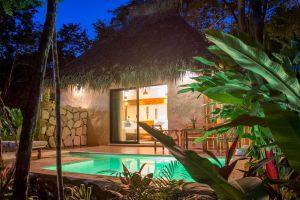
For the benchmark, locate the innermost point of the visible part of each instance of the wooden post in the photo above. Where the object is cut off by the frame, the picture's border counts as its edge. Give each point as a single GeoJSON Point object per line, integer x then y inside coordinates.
{"type": "Point", "coordinates": [206, 120]}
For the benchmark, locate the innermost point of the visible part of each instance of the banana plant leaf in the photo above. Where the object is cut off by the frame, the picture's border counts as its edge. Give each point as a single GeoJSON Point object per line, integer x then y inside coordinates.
{"type": "Point", "coordinates": [258, 62]}
{"type": "Point", "coordinates": [285, 128]}
{"type": "Point", "coordinates": [225, 94]}
{"type": "Point", "coordinates": [225, 59]}
{"type": "Point", "coordinates": [206, 62]}
{"type": "Point", "coordinates": [210, 132]}
{"type": "Point", "coordinates": [244, 120]}
{"type": "Point", "coordinates": [201, 169]}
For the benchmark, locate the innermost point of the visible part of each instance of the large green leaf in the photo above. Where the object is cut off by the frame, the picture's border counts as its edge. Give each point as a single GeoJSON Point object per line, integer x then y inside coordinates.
{"type": "Point", "coordinates": [206, 62]}
{"type": "Point", "coordinates": [201, 169]}
{"type": "Point", "coordinates": [225, 94]}
{"type": "Point", "coordinates": [219, 130]}
{"type": "Point", "coordinates": [285, 128]}
{"type": "Point", "coordinates": [225, 59]}
{"type": "Point", "coordinates": [244, 120]}
{"type": "Point", "coordinates": [258, 62]}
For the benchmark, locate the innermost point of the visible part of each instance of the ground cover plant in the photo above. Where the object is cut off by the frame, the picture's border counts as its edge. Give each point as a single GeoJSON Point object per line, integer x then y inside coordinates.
{"type": "Point", "coordinates": [134, 185]}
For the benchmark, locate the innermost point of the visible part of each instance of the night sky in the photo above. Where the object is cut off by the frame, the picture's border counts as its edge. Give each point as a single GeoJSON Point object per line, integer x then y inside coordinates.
{"type": "Point", "coordinates": [84, 12]}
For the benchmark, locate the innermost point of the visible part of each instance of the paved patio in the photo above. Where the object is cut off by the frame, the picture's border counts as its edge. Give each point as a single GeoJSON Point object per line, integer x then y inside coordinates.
{"type": "Point", "coordinates": [48, 158]}
{"type": "Point", "coordinates": [119, 149]}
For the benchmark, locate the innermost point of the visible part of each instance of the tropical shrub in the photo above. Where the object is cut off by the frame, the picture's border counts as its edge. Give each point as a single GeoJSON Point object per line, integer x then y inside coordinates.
{"type": "Point", "coordinates": [6, 180]}
{"type": "Point", "coordinates": [226, 170]}
{"type": "Point", "coordinates": [259, 89]}
{"type": "Point", "coordinates": [11, 121]}
{"type": "Point", "coordinates": [164, 187]}
{"type": "Point", "coordinates": [203, 171]}
{"type": "Point", "coordinates": [280, 180]}
{"type": "Point", "coordinates": [82, 192]}
{"type": "Point", "coordinates": [269, 94]}
{"type": "Point", "coordinates": [136, 186]}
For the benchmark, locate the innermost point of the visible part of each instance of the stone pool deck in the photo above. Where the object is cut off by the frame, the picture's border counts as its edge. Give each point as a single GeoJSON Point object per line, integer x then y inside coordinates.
{"type": "Point", "coordinates": [48, 159]}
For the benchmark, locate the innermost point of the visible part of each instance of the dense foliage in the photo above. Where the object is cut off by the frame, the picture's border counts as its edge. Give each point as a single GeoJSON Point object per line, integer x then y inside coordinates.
{"type": "Point", "coordinates": [11, 121]}
{"type": "Point", "coordinates": [72, 41]}
{"type": "Point", "coordinates": [257, 86]}
{"type": "Point", "coordinates": [166, 186]}
{"type": "Point", "coordinates": [260, 91]}
{"type": "Point", "coordinates": [20, 37]}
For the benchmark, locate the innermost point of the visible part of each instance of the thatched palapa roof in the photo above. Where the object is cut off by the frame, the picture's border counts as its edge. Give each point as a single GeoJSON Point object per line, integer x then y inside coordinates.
{"type": "Point", "coordinates": [150, 48]}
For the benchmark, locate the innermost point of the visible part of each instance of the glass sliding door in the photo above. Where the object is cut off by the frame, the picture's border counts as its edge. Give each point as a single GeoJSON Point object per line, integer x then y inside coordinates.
{"type": "Point", "coordinates": [123, 116]}
{"type": "Point", "coordinates": [130, 106]}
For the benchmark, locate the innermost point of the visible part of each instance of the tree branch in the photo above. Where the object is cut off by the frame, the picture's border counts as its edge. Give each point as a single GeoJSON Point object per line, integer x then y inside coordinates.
{"type": "Point", "coordinates": [56, 88]}
{"type": "Point", "coordinates": [241, 15]}
{"type": "Point", "coordinates": [265, 8]}
{"type": "Point", "coordinates": [217, 21]}
{"type": "Point", "coordinates": [231, 10]}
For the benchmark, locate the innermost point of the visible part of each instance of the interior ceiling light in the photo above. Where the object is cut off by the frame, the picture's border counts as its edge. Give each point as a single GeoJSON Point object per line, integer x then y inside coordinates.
{"type": "Point", "coordinates": [145, 92]}
{"type": "Point", "coordinates": [125, 94]}
{"type": "Point", "coordinates": [78, 87]}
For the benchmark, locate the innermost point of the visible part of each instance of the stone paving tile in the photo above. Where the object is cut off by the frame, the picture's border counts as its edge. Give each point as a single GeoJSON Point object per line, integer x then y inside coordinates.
{"type": "Point", "coordinates": [48, 158]}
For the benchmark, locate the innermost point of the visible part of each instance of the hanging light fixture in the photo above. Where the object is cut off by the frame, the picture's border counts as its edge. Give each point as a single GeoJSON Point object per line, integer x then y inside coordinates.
{"type": "Point", "coordinates": [78, 90]}
{"type": "Point", "coordinates": [145, 92]}
{"type": "Point", "coordinates": [125, 94]}
{"type": "Point", "coordinates": [78, 87]}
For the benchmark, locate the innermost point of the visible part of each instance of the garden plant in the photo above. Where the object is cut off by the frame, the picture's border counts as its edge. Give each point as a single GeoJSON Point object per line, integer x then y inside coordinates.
{"type": "Point", "coordinates": [258, 89]}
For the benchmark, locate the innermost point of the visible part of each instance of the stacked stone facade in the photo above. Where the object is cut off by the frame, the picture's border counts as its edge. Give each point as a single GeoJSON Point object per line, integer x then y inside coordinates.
{"type": "Point", "coordinates": [74, 125]}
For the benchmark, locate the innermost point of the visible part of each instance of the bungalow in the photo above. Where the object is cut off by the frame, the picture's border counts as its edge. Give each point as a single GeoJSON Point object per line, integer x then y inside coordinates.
{"type": "Point", "coordinates": [134, 76]}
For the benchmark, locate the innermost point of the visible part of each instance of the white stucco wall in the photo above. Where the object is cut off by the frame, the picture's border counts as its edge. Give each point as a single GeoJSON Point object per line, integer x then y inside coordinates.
{"type": "Point", "coordinates": [181, 108]}
{"type": "Point", "coordinates": [97, 104]}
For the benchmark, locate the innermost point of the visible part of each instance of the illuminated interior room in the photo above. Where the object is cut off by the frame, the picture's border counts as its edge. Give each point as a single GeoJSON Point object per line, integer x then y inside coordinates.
{"type": "Point", "coordinates": [130, 106]}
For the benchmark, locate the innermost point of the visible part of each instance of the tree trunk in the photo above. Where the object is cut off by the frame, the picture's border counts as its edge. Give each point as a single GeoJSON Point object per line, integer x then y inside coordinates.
{"type": "Point", "coordinates": [60, 186]}
{"type": "Point", "coordinates": [241, 15]}
{"type": "Point", "coordinates": [257, 20]}
{"type": "Point", "coordinates": [32, 106]}
{"type": "Point", "coordinates": [1, 158]}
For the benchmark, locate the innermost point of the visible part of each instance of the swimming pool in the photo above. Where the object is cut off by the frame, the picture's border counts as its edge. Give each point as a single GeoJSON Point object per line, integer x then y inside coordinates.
{"type": "Point", "coordinates": [101, 164]}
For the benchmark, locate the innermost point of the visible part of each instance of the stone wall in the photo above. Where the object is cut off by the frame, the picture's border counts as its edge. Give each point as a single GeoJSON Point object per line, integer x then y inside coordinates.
{"type": "Point", "coordinates": [74, 125]}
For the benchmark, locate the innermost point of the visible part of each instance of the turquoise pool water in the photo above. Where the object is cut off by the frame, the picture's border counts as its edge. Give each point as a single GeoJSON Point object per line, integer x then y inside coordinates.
{"type": "Point", "coordinates": [102, 164]}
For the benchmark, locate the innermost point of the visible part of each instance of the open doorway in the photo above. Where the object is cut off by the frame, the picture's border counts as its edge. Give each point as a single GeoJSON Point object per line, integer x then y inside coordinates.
{"type": "Point", "coordinates": [130, 106]}
{"type": "Point", "coordinates": [153, 109]}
